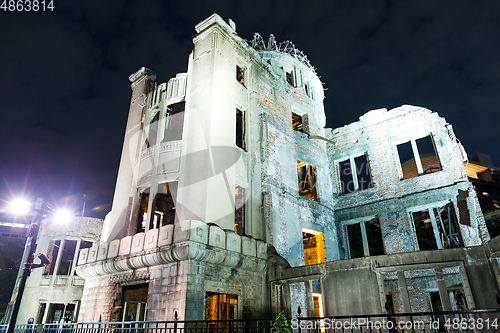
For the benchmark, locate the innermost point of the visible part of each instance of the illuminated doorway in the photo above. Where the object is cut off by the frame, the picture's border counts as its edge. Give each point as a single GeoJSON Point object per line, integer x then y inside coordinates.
{"type": "Point", "coordinates": [314, 247]}
{"type": "Point", "coordinates": [220, 307]}
{"type": "Point", "coordinates": [134, 302]}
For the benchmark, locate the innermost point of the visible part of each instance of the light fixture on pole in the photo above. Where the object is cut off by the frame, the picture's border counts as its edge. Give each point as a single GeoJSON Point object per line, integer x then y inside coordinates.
{"type": "Point", "coordinates": [22, 207]}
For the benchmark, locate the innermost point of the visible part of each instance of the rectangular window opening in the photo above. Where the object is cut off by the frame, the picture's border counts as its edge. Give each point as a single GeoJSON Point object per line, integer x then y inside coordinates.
{"type": "Point", "coordinates": [407, 160]}
{"type": "Point", "coordinates": [424, 230]}
{"type": "Point", "coordinates": [428, 156]}
{"type": "Point", "coordinates": [447, 225]}
{"type": "Point", "coordinates": [307, 180]}
{"type": "Point", "coordinates": [52, 253]}
{"type": "Point", "coordinates": [437, 228]}
{"type": "Point", "coordinates": [220, 307]}
{"type": "Point", "coordinates": [240, 75]}
{"type": "Point", "coordinates": [297, 124]}
{"type": "Point", "coordinates": [355, 174]}
{"type": "Point", "coordinates": [418, 157]}
{"type": "Point", "coordinates": [153, 130]}
{"type": "Point", "coordinates": [174, 122]}
{"type": "Point", "coordinates": [164, 204]}
{"type": "Point", "coordinates": [314, 247]}
{"type": "Point", "coordinates": [134, 302]}
{"type": "Point", "coordinates": [239, 210]}
{"type": "Point", "coordinates": [355, 240]}
{"type": "Point", "coordinates": [67, 257]}
{"type": "Point", "coordinates": [142, 211]}
{"type": "Point", "coordinates": [365, 238]}
{"type": "Point", "coordinates": [240, 129]}
{"type": "Point", "coordinates": [374, 237]}
{"type": "Point", "coordinates": [289, 78]}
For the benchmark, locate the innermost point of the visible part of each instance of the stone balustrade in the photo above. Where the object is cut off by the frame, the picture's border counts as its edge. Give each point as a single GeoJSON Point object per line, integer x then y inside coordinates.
{"type": "Point", "coordinates": [187, 240]}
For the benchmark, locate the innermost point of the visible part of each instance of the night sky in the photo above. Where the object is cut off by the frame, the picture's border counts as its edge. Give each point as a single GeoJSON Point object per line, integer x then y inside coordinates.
{"type": "Point", "coordinates": [64, 89]}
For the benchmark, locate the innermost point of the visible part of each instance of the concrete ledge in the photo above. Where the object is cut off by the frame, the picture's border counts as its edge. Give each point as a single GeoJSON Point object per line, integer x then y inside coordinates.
{"type": "Point", "coordinates": [125, 244]}
{"type": "Point", "coordinates": [217, 237]}
{"type": "Point", "coordinates": [166, 235]}
{"type": "Point", "coordinates": [93, 251]}
{"type": "Point", "coordinates": [249, 246]}
{"type": "Point", "coordinates": [103, 251]}
{"type": "Point", "coordinates": [137, 243]}
{"type": "Point", "coordinates": [82, 256]}
{"type": "Point", "coordinates": [113, 249]}
{"type": "Point", "coordinates": [233, 242]}
{"type": "Point", "coordinates": [151, 239]}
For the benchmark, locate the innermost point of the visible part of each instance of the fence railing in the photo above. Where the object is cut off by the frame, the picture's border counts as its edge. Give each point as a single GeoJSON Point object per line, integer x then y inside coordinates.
{"type": "Point", "coordinates": [445, 321]}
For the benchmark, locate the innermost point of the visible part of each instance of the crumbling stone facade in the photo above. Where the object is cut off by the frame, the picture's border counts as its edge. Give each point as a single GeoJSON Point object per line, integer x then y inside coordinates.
{"type": "Point", "coordinates": [231, 193]}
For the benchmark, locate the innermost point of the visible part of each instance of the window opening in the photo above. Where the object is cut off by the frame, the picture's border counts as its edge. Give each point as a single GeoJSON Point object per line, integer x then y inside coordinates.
{"type": "Point", "coordinates": [85, 244]}
{"type": "Point", "coordinates": [240, 75]}
{"type": "Point", "coordinates": [164, 205]}
{"type": "Point", "coordinates": [318, 305]}
{"type": "Point", "coordinates": [134, 302]}
{"type": "Point", "coordinates": [142, 211]}
{"type": "Point", "coordinates": [307, 180]}
{"type": "Point", "coordinates": [418, 157]}
{"type": "Point", "coordinates": [365, 238]}
{"type": "Point", "coordinates": [355, 174]}
{"type": "Point", "coordinates": [355, 240]}
{"type": "Point", "coordinates": [297, 123]}
{"type": "Point", "coordinates": [55, 313]}
{"type": "Point", "coordinates": [221, 307]}
{"type": "Point", "coordinates": [52, 253]}
{"type": "Point", "coordinates": [40, 313]}
{"type": "Point", "coordinates": [437, 228]}
{"type": "Point", "coordinates": [289, 78]}
{"type": "Point", "coordinates": [306, 88]}
{"type": "Point", "coordinates": [68, 254]}
{"type": "Point", "coordinates": [314, 247]}
{"type": "Point", "coordinates": [434, 302]}
{"type": "Point", "coordinates": [174, 122]}
{"type": "Point", "coordinates": [239, 210]}
{"type": "Point", "coordinates": [424, 230]}
{"type": "Point", "coordinates": [240, 129]}
{"type": "Point", "coordinates": [153, 130]}
{"type": "Point", "coordinates": [449, 231]}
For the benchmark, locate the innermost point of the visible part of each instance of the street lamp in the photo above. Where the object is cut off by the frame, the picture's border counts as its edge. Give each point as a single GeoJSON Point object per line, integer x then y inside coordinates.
{"type": "Point", "coordinates": [22, 207]}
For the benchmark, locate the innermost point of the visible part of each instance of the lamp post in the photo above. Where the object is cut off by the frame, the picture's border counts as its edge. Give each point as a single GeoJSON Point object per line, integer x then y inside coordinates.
{"type": "Point", "coordinates": [28, 265]}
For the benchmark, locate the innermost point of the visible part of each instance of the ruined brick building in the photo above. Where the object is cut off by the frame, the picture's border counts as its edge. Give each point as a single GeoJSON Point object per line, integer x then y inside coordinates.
{"type": "Point", "coordinates": [233, 200]}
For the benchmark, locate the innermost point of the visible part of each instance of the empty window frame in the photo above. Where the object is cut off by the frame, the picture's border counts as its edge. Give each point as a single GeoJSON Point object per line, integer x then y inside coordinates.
{"type": "Point", "coordinates": [436, 228]}
{"type": "Point", "coordinates": [174, 122]}
{"type": "Point", "coordinates": [289, 78]}
{"type": "Point", "coordinates": [297, 124]}
{"type": "Point", "coordinates": [355, 174]}
{"type": "Point", "coordinates": [240, 75]}
{"type": "Point", "coordinates": [68, 254]}
{"type": "Point", "coordinates": [314, 247]}
{"type": "Point", "coordinates": [307, 180]}
{"type": "Point", "coordinates": [142, 211]}
{"type": "Point", "coordinates": [153, 130]}
{"type": "Point", "coordinates": [52, 253]}
{"type": "Point", "coordinates": [240, 129]}
{"type": "Point", "coordinates": [164, 205]}
{"type": "Point", "coordinates": [418, 157]}
{"type": "Point", "coordinates": [239, 210]}
{"type": "Point", "coordinates": [364, 238]}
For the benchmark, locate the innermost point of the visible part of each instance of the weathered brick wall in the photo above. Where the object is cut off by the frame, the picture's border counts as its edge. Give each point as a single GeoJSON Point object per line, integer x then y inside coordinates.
{"type": "Point", "coordinates": [377, 134]}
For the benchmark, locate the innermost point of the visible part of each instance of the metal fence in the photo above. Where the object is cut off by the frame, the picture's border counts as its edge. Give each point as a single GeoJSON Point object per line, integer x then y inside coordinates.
{"type": "Point", "coordinates": [448, 321]}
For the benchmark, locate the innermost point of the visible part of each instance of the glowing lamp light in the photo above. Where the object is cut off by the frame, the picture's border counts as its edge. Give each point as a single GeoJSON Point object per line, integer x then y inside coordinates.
{"type": "Point", "coordinates": [62, 216]}
{"type": "Point", "coordinates": [19, 207]}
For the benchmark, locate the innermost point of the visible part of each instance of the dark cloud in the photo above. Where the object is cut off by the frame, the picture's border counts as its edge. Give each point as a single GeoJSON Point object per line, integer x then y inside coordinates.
{"type": "Point", "coordinates": [64, 87]}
